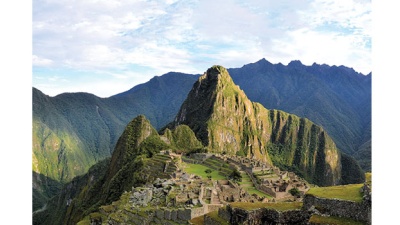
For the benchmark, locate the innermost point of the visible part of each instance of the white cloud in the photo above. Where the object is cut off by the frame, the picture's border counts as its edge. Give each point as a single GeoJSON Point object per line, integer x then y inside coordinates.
{"type": "Point", "coordinates": [328, 48]}
{"type": "Point", "coordinates": [38, 61]}
{"type": "Point", "coordinates": [155, 37]}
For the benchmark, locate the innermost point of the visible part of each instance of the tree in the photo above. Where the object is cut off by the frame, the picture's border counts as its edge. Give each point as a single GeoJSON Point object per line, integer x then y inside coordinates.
{"type": "Point", "coordinates": [294, 192]}
{"type": "Point", "coordinates": [208, 171]}
{"type": "Point", "coordinates": [235, 176]}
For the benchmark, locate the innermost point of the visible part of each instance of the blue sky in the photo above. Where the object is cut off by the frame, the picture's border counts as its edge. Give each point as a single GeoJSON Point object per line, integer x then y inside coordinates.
{"type": "Point", "coordinates": [105, 47]}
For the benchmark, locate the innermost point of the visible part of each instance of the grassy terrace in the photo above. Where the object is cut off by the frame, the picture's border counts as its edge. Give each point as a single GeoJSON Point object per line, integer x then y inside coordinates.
{"type": "Point", "coordinates": [279, 206]}
{"type": "Point", "coordinates": [249, 186]}
{"type": "Point", "coordinates": [199, 170]}
{"type": "Point", "coordinates": [349, 192]}
{"type": "Point", "coordinates": [253, 190]}
{"type": "Point", "coordinates": [316, 219]}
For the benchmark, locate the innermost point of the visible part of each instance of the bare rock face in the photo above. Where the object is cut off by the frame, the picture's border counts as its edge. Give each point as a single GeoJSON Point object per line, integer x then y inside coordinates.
{"type": "Point", "coordinates": [226, 121]}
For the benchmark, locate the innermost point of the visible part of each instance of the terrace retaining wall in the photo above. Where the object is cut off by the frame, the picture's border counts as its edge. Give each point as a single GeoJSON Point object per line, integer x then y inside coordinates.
{"type": "Point", "coordinates": [335, 207]}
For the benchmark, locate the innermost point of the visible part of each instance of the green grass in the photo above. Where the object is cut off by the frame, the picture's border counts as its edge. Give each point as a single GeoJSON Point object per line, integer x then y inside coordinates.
{"type": "Point", "coordinates": [333, 220]}
{"type": "Point", "coordinates": [349, 192]}
{"type": "Point", "coordinates": [248, 185]}
{"type": "Point", "coordinates": [85, 221]}
{"type": "Point", "coordinates": [279, 206]}
{"type": "Point", "coordinates": [198, 169]}
{"type": "Point", "coordinates": [368, 178]}
{"type": "Point", "coordinates": [253, 190]}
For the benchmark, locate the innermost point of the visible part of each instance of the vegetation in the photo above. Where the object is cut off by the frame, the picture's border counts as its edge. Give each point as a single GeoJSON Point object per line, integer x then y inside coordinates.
{"type": "Point", "coordinates": [208, 172]}
{"type": "Point", "coordinates": [235, 176]}
{"type": "Point", "coordinates": [199, 170]}
{"type": "Point", "coordinates": [294, 192]}
{"type": "Point", "coordinates": [252, 190]}
{"type": "Point", "coordinates": [184, 138]}
{"type": "Point", "coordinates": [349, 192]}
{"type": "Point", "coordinates": [351, 171]}
{"type": "Point", "coordinates": [48, 188]}
{"type": "Point", "coordinates": [332, 220]}
{"type": "Point", "coordinates": [368, 179]}
{"type": "Point", "coordinates": [280, 206]}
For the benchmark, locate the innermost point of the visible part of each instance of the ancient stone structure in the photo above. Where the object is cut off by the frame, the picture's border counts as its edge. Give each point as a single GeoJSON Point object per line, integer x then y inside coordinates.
{"type": "Point", "coordinates": [272, 181]}
{"type": "Point", "coordinates": [263, 216]}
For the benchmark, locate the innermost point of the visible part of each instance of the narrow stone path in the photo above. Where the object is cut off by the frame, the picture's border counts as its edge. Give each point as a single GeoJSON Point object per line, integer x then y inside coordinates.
{"type": "Point", "coordinates": [214, 197]}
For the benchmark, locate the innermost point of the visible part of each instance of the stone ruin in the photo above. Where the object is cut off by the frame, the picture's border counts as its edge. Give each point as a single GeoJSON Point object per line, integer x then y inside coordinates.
{"type": "Point", "coordinates": [277, 184]}
{"type": "Point", "coordinates": [192, 196]}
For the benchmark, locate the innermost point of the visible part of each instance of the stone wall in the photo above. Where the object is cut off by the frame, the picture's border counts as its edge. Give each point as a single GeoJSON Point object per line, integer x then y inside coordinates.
{"type": "Point", "coordinates": [224, 213]}
{"type": "Point", "coordinates": [266, 189]}
{"type": "Point", "coordinates": [196, 212]}
{"type": "Point", "coordinates": [179, 215]}
{"type": "Point", "coordinates": [263, 216]}
{"type": "Point", "coordinates": [341, 208]}
{"type": "Point", "coordinates": [212, 207]}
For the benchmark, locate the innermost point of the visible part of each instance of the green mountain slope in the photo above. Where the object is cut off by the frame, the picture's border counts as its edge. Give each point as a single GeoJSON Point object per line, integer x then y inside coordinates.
{"type": "Point", "coordinates": [131, 165]}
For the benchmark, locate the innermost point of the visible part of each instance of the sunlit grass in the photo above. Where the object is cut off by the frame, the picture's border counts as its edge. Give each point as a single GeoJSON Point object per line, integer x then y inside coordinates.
{"type": "Point", "coordinates": [331, 220]}
{"type": "Point", "coordinates": [280, 206]}
{"type": "Point", "coordinates": [199, 170]}
{"type": "Point", "coordinates": [368, 179]}
{"type": "Point", "coordinates": [349, 192]}
{"type": "Point", "coordinates": [253, 190]}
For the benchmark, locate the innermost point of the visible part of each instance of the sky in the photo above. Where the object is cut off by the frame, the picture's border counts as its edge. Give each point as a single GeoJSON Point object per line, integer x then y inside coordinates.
{"type": "Point", "coordinates": [105, 47]}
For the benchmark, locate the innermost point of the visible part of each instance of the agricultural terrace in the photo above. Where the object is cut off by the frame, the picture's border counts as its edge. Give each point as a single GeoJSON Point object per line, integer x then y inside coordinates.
{"type": "Point", "coordinates": [332, 220]}
{"type": "Point", "coordinates": [351, 192]}
{"type": "Point", "coordinates": [279, 206]}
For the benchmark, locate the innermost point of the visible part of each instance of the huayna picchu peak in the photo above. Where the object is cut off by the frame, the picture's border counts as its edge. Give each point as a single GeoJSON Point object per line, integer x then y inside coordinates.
{"type": "Point", "coordinates": [227, 122]}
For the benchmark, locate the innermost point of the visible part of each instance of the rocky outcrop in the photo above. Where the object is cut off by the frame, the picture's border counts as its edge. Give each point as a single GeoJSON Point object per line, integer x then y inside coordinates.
{"type": "Point", "coordinates": [226, 121]}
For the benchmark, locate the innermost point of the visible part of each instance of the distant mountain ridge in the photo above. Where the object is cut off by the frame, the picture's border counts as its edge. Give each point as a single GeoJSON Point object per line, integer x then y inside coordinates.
{"type": "Point", "coordinates": [72, 131]}
{"type": "Point", "coordinates": [337, 98]}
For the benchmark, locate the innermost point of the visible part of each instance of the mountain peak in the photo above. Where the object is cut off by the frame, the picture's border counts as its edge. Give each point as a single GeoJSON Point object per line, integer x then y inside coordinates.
{"type": "Point", "coordinates": [215, 73]}
{"type": "Point", "coordinates": [216, 70]}
{"type": "Point", "coordinates": [294, 63]}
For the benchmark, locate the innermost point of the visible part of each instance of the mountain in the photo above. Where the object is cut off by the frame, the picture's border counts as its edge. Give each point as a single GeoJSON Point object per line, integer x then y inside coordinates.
{"type": "Point", "coordinates": [227, 122]}
{"type": "Point", "coordinates": [132, 164]}
{"type": "Point", "coordinates": [72, 131]}
{"type": "Point", "coordinates": [334, 97]}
